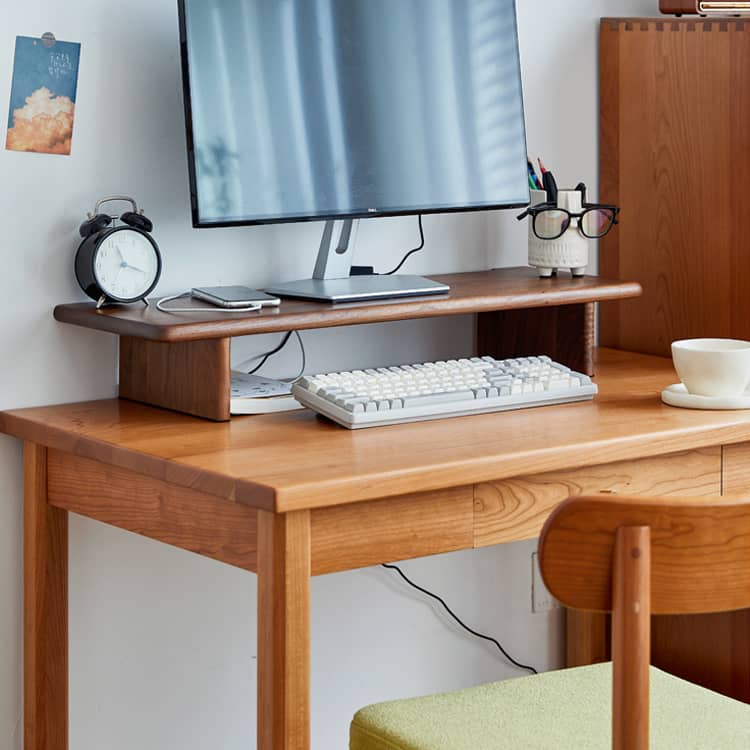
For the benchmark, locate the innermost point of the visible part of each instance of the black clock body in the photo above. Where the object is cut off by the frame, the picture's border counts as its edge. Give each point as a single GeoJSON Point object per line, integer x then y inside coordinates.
{"type": "Point", "coordinates": [85, 265]}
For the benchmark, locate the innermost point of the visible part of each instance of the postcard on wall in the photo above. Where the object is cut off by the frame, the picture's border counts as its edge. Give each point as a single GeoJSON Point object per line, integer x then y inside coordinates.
{"type": "Point", "coordinates": [43, 95]}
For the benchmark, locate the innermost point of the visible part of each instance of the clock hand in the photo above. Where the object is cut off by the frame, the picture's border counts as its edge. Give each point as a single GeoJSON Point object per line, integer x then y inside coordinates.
{"type": "Point", "coordinates": [135, 268]}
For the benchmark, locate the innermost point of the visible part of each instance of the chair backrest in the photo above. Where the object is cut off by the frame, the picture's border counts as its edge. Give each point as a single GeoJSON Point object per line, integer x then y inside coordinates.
{"type": "Point", "coordinates": [700, 551]}
{"type": "Point", "coordinates": [637, 556]}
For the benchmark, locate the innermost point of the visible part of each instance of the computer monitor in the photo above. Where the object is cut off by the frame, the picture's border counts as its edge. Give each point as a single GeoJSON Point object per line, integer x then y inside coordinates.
{"type": "Point", "coordinates": [336, 110]}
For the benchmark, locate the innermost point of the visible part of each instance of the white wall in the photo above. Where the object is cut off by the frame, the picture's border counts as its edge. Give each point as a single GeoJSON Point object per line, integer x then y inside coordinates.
{"type": "Point", "coordinates": [162, 642]}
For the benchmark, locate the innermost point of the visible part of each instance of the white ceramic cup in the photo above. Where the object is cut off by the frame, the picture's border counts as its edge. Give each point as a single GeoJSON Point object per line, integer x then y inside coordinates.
{"type": "Point", "coordinates": [713, 367]}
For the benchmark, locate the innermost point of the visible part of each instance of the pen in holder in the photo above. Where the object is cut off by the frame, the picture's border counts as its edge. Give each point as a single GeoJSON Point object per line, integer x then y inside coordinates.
{"type": "Point", "coordinates": [571, 250]}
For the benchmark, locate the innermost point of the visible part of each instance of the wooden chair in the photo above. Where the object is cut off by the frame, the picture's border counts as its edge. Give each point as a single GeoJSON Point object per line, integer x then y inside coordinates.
{"type": "Point", "coordinates": [630, 556]}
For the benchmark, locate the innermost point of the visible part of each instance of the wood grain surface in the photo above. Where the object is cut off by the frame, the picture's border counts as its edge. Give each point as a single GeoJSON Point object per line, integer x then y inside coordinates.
{"type": "Point", "coordinates": [566, 333]}
{"type": "Point", "coordinates": [284, 631]}
{"type": "Point", "coordinates": [479, 291]}
{"type": "Point", "coordinates": [587, 638]}
{"type": "Point", "coordinates": [675, 103]}
{"type": "Point", "coordinates": [700, 549]}
{"type": "Point", "coordinates": [297, 460]}
{"type": "Point", "coordinates": [736, 470]}
{"type": "Point", "coordinates": [45, 610]}
{"type": "Point", "coordinates": [631, 637]}
{"type": "Point", "coordinates": [190, 376]}
{"type": "Point", "coordinates": [195, 521]}
{"type": "Point", "coordinates": [517, 508]}
{"type": "Point", "coordinates": [712, 650]}
{"type": "Point", "coordinates": [362, 534]}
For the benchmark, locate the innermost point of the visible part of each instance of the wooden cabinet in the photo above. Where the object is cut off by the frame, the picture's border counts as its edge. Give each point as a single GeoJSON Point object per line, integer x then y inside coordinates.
{"type": "Point", "coordinates": [675, 155]}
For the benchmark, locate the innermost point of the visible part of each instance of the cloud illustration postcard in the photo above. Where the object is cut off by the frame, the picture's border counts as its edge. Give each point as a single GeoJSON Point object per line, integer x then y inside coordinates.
{"type": "Point", "coordinates": [43, 96]}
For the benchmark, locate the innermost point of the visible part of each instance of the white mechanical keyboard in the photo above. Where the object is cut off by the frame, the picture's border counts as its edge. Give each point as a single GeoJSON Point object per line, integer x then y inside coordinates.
{"type": "Point", "coordinates": [432, 390]}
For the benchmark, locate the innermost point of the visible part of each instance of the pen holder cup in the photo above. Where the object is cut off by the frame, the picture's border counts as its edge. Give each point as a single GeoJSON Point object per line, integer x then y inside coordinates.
{"type": "Point", "coordinates": [569, 251]}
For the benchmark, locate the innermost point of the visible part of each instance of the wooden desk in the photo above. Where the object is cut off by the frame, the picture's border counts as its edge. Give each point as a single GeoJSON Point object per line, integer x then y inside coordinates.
{"type": "Point", "coordinates": [289, 496]}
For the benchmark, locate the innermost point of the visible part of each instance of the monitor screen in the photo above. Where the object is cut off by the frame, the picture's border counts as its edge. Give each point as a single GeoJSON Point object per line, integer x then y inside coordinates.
{"type": "Point", "coordinates": [316, 109]}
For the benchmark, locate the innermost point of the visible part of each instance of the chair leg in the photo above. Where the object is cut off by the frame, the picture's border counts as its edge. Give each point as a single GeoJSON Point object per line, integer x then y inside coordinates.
{"type": "Point", "coordinates": [631, 638]}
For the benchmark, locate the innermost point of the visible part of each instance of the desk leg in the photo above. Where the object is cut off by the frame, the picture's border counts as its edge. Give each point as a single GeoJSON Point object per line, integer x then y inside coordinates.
{"type": "Point", "coordinates": [45, 610]}
{"type": "Point", "coordinates": [587, 638]}
{"type": "Point", "coordinates": [284, 631]}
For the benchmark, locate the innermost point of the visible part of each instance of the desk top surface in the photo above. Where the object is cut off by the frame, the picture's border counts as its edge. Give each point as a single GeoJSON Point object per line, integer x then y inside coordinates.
{"type": "Point", "coordinates": [296, 460]}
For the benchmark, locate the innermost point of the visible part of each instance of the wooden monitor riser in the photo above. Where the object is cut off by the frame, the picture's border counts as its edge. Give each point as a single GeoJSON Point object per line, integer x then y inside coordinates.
{"type": "Point", "coordinates": [182, 362]}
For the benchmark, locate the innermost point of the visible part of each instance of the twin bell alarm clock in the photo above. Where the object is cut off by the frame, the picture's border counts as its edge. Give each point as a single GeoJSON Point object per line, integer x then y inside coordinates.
{"type": "Point", "coordinates": [117, 263]}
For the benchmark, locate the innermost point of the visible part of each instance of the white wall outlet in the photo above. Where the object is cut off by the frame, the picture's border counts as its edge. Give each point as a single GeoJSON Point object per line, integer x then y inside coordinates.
{"type": "Point", "coordinates": [541, 599]}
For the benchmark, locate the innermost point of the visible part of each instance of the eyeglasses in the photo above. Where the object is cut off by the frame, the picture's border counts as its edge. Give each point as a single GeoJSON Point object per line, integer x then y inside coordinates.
{"type": "Point", "coordinates": [550, 222]}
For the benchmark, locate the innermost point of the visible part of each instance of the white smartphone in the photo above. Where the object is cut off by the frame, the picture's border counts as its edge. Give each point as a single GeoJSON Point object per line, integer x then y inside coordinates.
{"type": "Point", "coordinates": [234, 296]}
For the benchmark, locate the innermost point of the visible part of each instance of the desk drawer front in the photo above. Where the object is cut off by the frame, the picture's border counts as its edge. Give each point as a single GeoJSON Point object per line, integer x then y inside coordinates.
{"type": "Point", "coordinates": [736, 469]}
{"type": "Point", "coordinates": [516, 508]}
{"type": "Point", "coordinates": [401, 528]}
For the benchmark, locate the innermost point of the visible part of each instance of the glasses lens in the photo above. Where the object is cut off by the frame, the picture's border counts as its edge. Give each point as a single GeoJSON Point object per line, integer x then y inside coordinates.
{"type": "Point", "coordinates": [551, 224]}
{"type": "Point", "coordinates": [597, 221]}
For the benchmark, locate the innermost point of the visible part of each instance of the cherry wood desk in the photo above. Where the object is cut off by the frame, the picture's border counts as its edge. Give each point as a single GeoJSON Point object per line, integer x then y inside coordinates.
{"type": "Point", "coordinates": [288, 496]}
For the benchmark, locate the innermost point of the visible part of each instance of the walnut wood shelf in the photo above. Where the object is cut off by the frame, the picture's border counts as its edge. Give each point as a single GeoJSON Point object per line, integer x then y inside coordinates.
{"type": "Point", "coordinates": [183, 362]}
{"type": "Point", "coordinates": [504, 289]}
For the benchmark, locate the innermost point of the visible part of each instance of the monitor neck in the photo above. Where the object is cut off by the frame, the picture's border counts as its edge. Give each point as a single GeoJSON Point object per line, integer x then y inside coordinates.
{"type": "Point", "coordinates": [336, 249]}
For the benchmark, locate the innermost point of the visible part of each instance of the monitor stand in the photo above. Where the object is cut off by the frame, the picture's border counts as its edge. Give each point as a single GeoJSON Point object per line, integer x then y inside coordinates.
{"type": "Point", "coordinates": [331, 281]}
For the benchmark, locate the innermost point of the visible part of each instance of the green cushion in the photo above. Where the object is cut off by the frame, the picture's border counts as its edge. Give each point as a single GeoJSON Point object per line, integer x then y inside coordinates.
{"type": "Point", "coordinates": [567, 709]}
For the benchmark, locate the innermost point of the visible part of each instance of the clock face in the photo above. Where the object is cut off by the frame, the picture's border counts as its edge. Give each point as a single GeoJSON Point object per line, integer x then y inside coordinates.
{"type": "Point", "coordinates": [126, 265]}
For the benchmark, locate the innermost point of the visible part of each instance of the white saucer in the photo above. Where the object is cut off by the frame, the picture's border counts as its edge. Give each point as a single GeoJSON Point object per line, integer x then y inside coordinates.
{"type": "Point", "coordinates": [677, 395]}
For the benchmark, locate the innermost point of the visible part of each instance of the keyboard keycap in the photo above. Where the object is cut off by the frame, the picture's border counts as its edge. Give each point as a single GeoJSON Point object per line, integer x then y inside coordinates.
{"type": "Point", "coordinates": [438, 398]}
{"type": "Point", "coordinates": [351, 404]}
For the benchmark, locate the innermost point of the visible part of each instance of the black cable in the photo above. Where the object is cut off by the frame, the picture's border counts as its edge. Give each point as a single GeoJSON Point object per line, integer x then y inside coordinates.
{"type": "Point", "coordinates": [411, 252]}
{"type": "Point", "coordinates": [455, 617]}
{"type": "Point", "coordinates": [267, 355]}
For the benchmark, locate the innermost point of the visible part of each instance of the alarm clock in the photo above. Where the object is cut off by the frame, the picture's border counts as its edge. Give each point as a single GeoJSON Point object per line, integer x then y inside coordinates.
{"type": "Point", "coordinates": [117, 263]}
